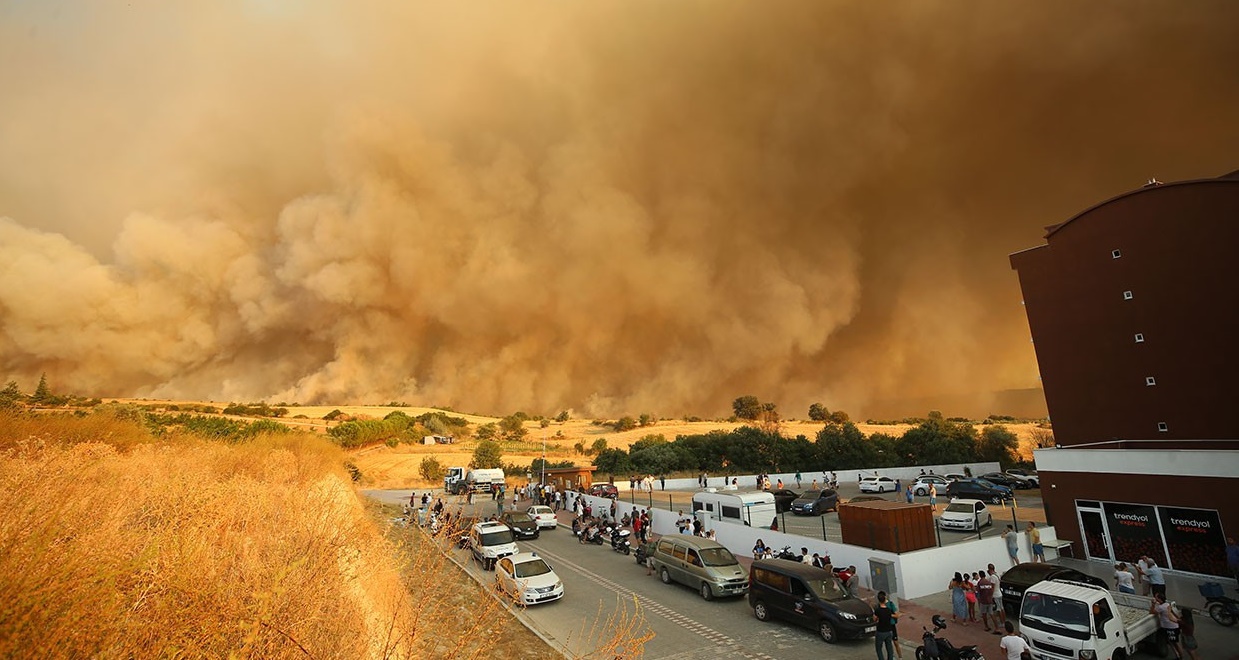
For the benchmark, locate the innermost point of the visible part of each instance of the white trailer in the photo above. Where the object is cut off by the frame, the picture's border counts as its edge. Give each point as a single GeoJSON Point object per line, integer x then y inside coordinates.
{"type": "Point", "coordinates": [755, 509]}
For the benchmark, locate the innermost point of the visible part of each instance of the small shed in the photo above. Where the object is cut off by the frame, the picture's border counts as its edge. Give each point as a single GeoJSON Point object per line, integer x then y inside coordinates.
{"type": "Point", "coordinates": [576, 478]}
{"type": "Point", "coordinates": [890, 526]}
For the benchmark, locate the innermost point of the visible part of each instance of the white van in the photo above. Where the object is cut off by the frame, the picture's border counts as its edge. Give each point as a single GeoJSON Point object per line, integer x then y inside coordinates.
{"type": "Point", "coordinates": [755, 509]}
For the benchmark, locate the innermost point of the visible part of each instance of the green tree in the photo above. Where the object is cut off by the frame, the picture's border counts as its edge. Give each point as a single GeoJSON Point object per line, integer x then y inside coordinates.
{"type": "Point", "coordinates": [513, 427]}
{"type": "Point", "coordinates": [488, 431]}
{"type": "Point", "coordinates": [769, 418]}
{"type": "Point", "coordinates": [624, 424]}
{"type": "Point", "coordinates": [818, 412]}
{"type": "Point", "coordinates": [10, 395]}
{"type": "Point", "coordinates": [562, 417]}
{"type": "Point", "coordinates": [431, 469]}
{"type": "Point", "coordinates": [997, 443]}
{"type": "Point", "coordinates": [746, 407]}
{"type": "Point", "coordinates": [487, 454]}
{"type": "Point", "coordinates": [839, 417]}
{"type": "Point", "coordinates": [613, 461]}
{"type": "Point", "coordinates": [41, 393]}
{"type": "Point", "coordinates": [844, 447]}
{"type": "Point", "coordinates": [599, 446]}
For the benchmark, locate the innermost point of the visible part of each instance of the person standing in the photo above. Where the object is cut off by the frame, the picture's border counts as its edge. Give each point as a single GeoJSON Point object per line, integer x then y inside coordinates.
{"type": "Point", "coordinates": [662, 482]}
{"type": "Point", "coordinates": [992, 575]}
{"type": "Point", "coordinates": [1157, 579]}
{"type": "Point", "coordinates": [1124, 581]}
{"type": "Point", "coordinates": [798, 484]}
{"type": "Point", "coordinates": [1013, 547]}
{"type": "Point", "coordinates": [884, 640]}
{"type": "Point", "coordinates": [959, 602]}
{"type": "Point", "coordinates": [985, 602]}
{"type": "Point", "coordinates": [1167, 621]}
{"type": "Point", "coordinates": [1142, 572]}
{"type": "Point", "coordinates": [1012, 644]}
{"type": "Point", "coordinates": [1187, 632]}
{"type": "Point", "coordinates": [933, 497]}
{"type": "Point", "coordinates": [1034, 540]}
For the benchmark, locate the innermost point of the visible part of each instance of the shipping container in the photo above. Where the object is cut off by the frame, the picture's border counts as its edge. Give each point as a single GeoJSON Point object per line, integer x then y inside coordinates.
{"type": "Point", "coordinates": [890, 526]}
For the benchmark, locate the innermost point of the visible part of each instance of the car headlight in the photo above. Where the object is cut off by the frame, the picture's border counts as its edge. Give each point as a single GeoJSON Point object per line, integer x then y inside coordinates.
{"type": "Point", "coordinates": [848, 615]}
{"type": "Point", "coordinates": [558, 584]}
{"type": "Point", "coordinates": [1087, 654]}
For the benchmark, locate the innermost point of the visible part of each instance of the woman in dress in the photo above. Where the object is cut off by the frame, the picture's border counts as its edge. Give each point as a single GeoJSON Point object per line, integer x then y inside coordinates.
{"type": "Point", "coordinates": [959, 603]}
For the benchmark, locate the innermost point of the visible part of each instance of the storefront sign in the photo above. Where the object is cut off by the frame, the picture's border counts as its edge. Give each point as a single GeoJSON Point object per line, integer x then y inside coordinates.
{"type": "Point", "coordinates": [1194, 540]}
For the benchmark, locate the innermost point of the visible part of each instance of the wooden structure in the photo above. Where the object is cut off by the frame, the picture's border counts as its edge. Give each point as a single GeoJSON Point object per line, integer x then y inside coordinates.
{"type": "Point", "coordinates": [578, 478]}
{"type": "Point", "coordinates": [890, 526]}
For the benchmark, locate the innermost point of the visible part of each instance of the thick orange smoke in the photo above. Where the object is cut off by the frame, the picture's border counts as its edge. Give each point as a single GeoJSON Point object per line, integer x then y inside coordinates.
{"type": "Point", "coordinates": [607, 206]}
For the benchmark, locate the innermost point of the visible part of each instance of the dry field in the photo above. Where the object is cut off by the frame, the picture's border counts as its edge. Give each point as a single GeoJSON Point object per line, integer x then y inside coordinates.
{"type": "Point", "coordinates": [117, 544]}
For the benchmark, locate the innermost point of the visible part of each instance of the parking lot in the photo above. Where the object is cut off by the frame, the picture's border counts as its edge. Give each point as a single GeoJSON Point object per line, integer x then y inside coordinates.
{"type": "Point", "coordinates": [1027, 507]}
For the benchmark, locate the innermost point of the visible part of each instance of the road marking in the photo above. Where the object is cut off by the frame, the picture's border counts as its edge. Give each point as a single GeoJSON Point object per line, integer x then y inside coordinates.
{"type": "Point", "coordinates": [671, 615]}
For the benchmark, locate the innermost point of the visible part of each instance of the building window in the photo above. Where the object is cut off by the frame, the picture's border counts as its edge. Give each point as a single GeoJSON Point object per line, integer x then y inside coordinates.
{"type": "Point", "coordinates": [1150, 381]}
{"type": "Point", "coordinates": [1161, 427]}
{"type": "Point", "coordinates": [1139, 338]}
{"type": "Point", "coordinates": [1127, 295]}
{"type": "Point", "coordinates": [1115, 254]}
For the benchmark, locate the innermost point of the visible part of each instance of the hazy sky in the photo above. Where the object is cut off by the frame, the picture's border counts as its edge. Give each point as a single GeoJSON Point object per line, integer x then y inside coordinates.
{"type": "Point", "coordinates": [614, 207]}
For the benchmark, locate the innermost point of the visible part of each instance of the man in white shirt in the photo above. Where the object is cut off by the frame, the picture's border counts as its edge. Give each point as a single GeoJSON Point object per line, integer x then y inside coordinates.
{"type": "Point", "coordinates": [1012, 644]}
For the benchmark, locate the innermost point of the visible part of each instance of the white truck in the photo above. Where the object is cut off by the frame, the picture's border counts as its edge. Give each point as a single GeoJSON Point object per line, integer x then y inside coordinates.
{"type": "Point", "coordinates": [1066, 620]}
{"type": "Point", "coordinates": [458, 480]}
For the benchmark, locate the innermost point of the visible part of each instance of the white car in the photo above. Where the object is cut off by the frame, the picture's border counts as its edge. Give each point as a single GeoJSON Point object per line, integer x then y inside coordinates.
{"type": "Point", "coordinates": [544, 515]}
{"type": "Point", "coordinates": [528, 579]}
{"type": "Point", "coordinates": [877, 485]}
{"type": "Point", "coordinates": [970, 515]}
{"type": "Point", "coordinates": [921, 487]}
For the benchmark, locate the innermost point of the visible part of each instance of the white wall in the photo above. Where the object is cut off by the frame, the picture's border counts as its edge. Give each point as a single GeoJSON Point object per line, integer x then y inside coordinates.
{"type": "Point", "coordinates": [918, 573]}
{"type": "Point", "coordinates": [749, 481]}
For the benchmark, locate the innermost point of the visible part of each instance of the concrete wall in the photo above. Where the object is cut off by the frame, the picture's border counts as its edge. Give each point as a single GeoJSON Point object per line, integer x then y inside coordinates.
{"type": "Point", "coordinates": [749, 481]}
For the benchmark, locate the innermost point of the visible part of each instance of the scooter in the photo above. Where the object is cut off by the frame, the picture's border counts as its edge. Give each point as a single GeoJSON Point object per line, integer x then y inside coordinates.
{"type": "Point", "coordinates": [941, 648]}
{"type": "Point", "coordinates": [619, 541]}
{"type": "Point", "coordinates": [1222, 608]}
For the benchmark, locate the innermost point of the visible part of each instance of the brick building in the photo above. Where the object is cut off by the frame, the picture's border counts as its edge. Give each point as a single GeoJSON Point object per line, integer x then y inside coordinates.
{"type": "Point", "coordinates": [1134, 311]}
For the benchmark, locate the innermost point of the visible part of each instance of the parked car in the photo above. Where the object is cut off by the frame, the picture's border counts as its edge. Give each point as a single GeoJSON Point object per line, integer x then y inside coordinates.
{"type": "Point", "coordinates": [523, 525]}
{"type": "Point", "coordinates": [808, 596]}
{"type": "Point", "coordinates": [1004, 480]}
{"type": "Point", "coordinates": [783, 499]}
{"type": "Point", "coordinates": [1020, 577]}
{"type": "Point", "coordinates": [544, 516]}
{"type": "Point", "coordinates": [979, 489]}
{"type": "Point", "coordinates": [877, 485]}
{"type": "Point", "coordinates": [955, 476]}
{"type": "Point", "coordinates": [1028, 475]}
{"type": "Point", "coordinates": [964, 514]}
{"type": "Point", "coordinates": [700, 563]}
{"type": "Point", "coordinates": [527, 578]}
{"type": "Point", "coordinates": [816, 502]}
{"type": "Point", "coordinates": [491, 541]}
{"type": "Point", "coordinates": [604, 490]}
{"type": "Point", "coordinates": [866, 498]}
{"type": "Point", "coordinates": [921, 486]}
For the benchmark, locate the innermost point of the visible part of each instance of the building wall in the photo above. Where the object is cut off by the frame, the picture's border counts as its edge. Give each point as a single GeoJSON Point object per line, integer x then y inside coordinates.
{"type": "Point", "coordinates": [1177, 244]}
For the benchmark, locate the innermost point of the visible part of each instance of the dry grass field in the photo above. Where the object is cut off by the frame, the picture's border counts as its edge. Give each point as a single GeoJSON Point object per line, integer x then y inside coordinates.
{"type": "Point", "coordinates": [118, 544]}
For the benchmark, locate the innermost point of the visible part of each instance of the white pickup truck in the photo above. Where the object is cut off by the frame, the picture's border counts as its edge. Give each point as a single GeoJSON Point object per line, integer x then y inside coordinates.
{"type": "Point", "coordinates": [1065, 620]}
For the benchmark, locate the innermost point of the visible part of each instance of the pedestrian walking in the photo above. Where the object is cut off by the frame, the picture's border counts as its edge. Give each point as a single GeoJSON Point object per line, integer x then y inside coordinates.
{"type": "Point", "coordinates": [883, 641]}
{"type": "Point", "coordinates": [798, 482]}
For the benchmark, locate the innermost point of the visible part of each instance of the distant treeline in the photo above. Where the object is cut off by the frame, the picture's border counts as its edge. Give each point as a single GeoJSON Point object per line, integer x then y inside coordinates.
{"type": "Point", "coordinates": [395, 428]}
{"type": "Point", "coordinates": [838, 446]}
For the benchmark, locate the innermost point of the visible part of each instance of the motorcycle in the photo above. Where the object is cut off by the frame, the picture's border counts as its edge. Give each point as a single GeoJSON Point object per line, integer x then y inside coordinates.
{"type": "Point", "coordinates": [1222, 608]}
{"type": "Point", "coordinates": [786, 553]}
{"type": "Point", "coordinates": [620, 542]}
{"type": "Point", "coordinates": [643, 552]}
{"type": "Point", "coordinates": [591, 534]}
{"type": "Point", "coordinates": [941, 648]}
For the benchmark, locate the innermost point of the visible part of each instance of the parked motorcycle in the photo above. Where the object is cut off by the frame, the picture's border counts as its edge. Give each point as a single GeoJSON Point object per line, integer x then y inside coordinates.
{"type": "Point", "coordinates": [787, 553]}
{"type": "Point", "coordinates": [620, 540]}
{"type": "Point", "coordinates": [1222, 608]}
{"type": "Point", "coordinates": [591, 534]}
{"type": "Point", "coordinates": [643, 552]}
{"type": "Point", "coordinates": [941, 648]}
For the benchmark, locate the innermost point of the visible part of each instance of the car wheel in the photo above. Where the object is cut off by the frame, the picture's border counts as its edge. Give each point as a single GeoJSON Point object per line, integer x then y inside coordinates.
{"type": "Point", "coordinates": [706, 592]}
{"type": "Point", "coordinates": [995, 500]}
{"type": "Point", "coordinates": [760, 611]}
{"type": "Point", "coordinates": [920, 492]}
{"type": "Point", "coordinates": [827, 630]}
{"type": "Point", "coordinates": [664, 575]}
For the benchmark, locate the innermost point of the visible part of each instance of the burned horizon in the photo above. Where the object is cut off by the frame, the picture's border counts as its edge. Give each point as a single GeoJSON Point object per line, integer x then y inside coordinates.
{"type": "Point", "coordinates": [614, 207]}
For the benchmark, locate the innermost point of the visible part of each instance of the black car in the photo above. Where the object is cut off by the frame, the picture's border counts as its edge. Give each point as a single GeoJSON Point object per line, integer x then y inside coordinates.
{"type": "Point", "coordinates": [815, 502]}
{"type": "Point", "coordinates": [523, 525]}
{"type": "Point", "coordinates": [783, 499]}
{"type": "Point", "coordinates": [1005, 480]}
{"type": "Point", "coordinates": [979, 489]}
{"type": "Point", "coordinates": [1020, 577]}
{"type": "Point", "coordinates": [808, 596]}
{"type": "Point", "coordinates": [867, 498]}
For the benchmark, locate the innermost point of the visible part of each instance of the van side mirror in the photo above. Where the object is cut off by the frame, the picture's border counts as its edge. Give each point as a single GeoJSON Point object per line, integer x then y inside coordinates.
{"type": "Point", "coordinates": [807, 597]}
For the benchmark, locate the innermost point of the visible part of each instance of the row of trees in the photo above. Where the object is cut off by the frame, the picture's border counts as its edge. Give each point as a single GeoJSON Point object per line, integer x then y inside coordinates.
{"type": "Point", "coordinates": [838, 446]}
{"type": "Point", "coordinates": [397, 427]}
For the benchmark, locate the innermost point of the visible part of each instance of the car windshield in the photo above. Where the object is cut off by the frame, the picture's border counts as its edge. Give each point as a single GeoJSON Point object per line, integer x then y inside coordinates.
{"type": "Point", "coordinates": [520, 518]}
{"type": "Point", "coordinates": [959, 507]}
{"type": "Point", "coordinates": [531, 568]}
{"type": "Point", "coordinates": [497, 538]}
{"type": "Point", "coordinates": [829, 589]}
{"type": "Point", "coordinates": [810, 495]}
{"type": "Point", "coordinates": [717, 557]}
{"type": "Point", "coordinates": [1056, 614]}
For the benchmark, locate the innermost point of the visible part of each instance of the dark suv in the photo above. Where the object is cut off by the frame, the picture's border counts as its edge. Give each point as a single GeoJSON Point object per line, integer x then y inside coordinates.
{"type": "Point", "coordinates": [1020, 577]}
{"type": "Point", "coordinates": [810, 597]}
{"type": "Point", "coordinates": [979, 489]}
{"type": "Point", "coordinates": [815, 502]}
{"type": "Point", "coordinates": [523, 525]}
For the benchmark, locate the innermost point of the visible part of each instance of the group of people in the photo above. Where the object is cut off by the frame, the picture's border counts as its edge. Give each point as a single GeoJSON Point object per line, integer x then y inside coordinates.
{"type": "Point", "coordinates": [1035, 546]}
{"type": "Point", "coordinates": [972, 594]}
{"type": "Point", "coordinates": [646, 483]}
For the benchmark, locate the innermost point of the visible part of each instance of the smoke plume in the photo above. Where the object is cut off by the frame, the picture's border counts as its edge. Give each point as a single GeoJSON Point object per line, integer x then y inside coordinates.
{"type": "Point", "coordinates": [615, 207]}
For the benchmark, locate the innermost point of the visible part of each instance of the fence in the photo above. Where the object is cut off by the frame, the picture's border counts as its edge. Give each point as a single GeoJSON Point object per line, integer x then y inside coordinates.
{"type": "Point", "coordinates": [806, 478]}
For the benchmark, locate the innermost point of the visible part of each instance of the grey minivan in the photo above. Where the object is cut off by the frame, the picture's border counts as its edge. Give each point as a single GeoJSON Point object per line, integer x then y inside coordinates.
{"type": "Point", "coordinates": [699, 563]}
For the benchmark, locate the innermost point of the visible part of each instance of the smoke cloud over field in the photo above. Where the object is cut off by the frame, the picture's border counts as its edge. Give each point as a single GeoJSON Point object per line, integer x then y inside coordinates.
{"type": "Point", "coordinates": [616, 207]}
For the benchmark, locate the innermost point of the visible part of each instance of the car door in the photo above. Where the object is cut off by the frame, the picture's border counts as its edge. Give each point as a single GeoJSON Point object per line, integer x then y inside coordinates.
{"type": "Point", "coordinates": [802, 611]}
{"type": "Point", "coordinates": [981, 515]}
{"type": "Point", "coordinates": [505, 576]}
